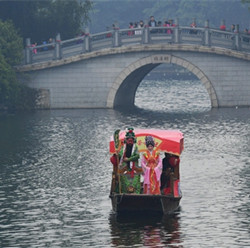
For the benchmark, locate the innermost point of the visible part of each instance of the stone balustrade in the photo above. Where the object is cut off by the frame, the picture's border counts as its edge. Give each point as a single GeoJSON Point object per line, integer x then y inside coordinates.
{"type": "Point", "coordinates": [202, 36]}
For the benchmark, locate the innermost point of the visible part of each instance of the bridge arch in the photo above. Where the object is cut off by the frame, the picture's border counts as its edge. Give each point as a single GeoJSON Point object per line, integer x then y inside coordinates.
{"type": "Point", "coordinates": [123, 90]}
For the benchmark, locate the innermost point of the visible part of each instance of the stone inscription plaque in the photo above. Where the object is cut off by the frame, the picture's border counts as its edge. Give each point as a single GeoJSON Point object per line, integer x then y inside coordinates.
{"type": "Point", "coordinates": [161, 59]}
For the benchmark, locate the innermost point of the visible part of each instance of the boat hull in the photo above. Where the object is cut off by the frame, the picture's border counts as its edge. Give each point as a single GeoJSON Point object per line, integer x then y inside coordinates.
{"type": "Point", "coordinates": [154, 204]}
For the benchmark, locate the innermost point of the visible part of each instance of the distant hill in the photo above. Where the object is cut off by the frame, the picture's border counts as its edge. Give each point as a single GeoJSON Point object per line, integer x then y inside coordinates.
{"type": "Point", "coordinates": [106, 12]}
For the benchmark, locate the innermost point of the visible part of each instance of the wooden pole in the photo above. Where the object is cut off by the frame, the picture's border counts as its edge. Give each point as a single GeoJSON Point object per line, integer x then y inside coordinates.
{"type": "Point", "coordinates": [172, 183]}
{"type": "Point", "coordinates": [117, 148]}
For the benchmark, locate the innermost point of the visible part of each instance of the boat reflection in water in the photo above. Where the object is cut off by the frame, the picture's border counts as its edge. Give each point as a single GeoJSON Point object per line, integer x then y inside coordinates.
{"type": "Point", "coordinates": [153, 231]}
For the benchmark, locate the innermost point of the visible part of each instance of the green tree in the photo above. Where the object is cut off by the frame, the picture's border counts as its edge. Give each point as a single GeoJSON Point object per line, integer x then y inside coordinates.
{"type": "Point", "coordinates": [7, 78]}
{"type": "Point", "coordinates": [247, 2]}
{"type": "Point", "coordinates": [40, 20]}
{"type": "Point", "coordinates": [10, 43]}
{"type": "Point", "coordinates": [13, 95]}
{"type": "Point", "coordinates": [64, 17]}
{"type": "Point", "coordinates": [201, 10]}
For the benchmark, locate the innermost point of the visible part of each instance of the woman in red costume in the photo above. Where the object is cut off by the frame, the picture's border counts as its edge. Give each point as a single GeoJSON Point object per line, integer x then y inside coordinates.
{"type": "Point", "coordinates": [152, 167]}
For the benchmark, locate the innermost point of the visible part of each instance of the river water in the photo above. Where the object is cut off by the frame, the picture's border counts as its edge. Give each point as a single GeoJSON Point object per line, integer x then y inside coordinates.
{"type": "Point", "coordinates": [55, 174]}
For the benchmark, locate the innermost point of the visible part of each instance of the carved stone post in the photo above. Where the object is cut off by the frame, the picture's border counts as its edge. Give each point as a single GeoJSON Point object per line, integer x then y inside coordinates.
{"type": "Point", "coordinates": [58, 47]}
{"type": "Point", "coordinates": [28, 52]}
{"type": "Point", "coordinates": [237, 38]}
{"type": "Point", "coordinates": [207, 35]}
{"type": "Point", "coordinates": [116, 39]}
{"type": "Point", "coordinates": [87, 41]}
{"type": "Point", "coordinates": [146, 38]}
{"type": "Point", "coordinates": [177, 31]}
{"type": "Point", "coordinates": [83, 43]}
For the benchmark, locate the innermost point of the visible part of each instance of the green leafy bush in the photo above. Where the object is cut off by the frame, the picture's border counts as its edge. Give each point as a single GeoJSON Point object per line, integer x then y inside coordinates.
{"type": "Point", "coordinates": [13, 95]}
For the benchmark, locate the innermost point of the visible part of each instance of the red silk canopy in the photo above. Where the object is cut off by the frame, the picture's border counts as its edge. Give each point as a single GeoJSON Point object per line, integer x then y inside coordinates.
{"type": "Point", "coordinates": [170, 141]}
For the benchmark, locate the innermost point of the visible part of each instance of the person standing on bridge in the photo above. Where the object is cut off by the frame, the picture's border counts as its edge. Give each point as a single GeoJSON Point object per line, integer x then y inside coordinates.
{"type": "Point", "coordinates": [34, 50]}
{"type": "Point", "coordinates": [141, 24]}
{"type": "Point", "coordinates": [223, 27]}
{"type": "Point", "coordinates": [131, 26]}
{"type": "Point", "coordinates": [152, 23]}
{"type": "Point", "coordinates": [193, 28]}
{"type": "Point", "coordinates": [233, 28]}
{"type": "Point", "coordinates": [140, 27]}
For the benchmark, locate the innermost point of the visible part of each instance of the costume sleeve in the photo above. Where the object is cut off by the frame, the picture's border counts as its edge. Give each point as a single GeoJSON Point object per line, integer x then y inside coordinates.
{"type": "Point", "coordinates": [174, 161]}
{"type": "Point", "coordinates": [135, 156]}
{"type": "Point", "coordinates": [121, 153]}
{"type": "Point", "coordinates": [143, 163]}
{"type": "Point", "coordinates": [158, 168]}
{"type": "Point", "coordinates": [159, 164]}
{"type": "Point", "coordinates": [145, 169]}
{"type": "Point", "coordinates": [113, 159]}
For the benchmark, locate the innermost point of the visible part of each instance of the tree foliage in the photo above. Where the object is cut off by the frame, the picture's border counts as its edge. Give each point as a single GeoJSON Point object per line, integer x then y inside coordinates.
{"type": "Point", "coordinates": [10, 43]}
{"type": "Point", "coordinates": [200, 10]}
{"type": "Point", "coordinates": [13, 95]}
{"type": "Point", "coordinates": [40, 20]}
{"type": "Point", "coordinates": [108, 11]}
{"type": "Point", "coordinates": [246, 2]}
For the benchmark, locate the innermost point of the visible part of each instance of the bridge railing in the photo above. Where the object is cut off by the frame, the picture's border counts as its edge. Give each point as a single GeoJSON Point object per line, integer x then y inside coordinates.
{"type": "Point", "coordinates": [205, 36]}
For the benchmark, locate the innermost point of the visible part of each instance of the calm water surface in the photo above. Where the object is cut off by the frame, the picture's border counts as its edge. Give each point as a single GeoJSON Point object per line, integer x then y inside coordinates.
{"type": "Point", "coordinates": [55, 174]}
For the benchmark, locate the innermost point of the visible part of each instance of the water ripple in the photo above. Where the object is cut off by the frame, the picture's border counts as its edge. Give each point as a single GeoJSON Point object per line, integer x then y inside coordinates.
{"type": "Point", "coordinates": [55, 175]}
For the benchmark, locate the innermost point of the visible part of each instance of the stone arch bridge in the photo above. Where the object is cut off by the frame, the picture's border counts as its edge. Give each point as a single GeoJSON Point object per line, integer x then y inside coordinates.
{"type": "Point", "coordinates": [105, 70]}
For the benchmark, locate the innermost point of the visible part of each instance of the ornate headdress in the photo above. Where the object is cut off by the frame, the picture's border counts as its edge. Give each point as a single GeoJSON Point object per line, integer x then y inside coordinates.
{"type": "Point", "coordinates": [149, 141]}
{"type": "Point", "coordinates": [130, 134]}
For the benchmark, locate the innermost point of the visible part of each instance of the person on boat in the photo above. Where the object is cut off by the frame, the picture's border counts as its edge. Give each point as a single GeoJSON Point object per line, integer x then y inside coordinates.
{"type": "Point", "coordinates": [152, 167]}
{"type": "Point", "coordinates": [169, 162]}
{"type": "Point", "coordinates": [128, 169]}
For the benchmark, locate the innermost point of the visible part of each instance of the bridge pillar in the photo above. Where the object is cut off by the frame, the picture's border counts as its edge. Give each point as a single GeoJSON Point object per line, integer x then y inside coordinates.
{"type": "Point", "coordinates": [87, 41]}
{"type": "Point", "coordinates": [58, 48]}
{"type": "Point", "coordinates": [177, 31]}
{"type": "Point", "coordinates": [237, 38]}
{"type": "Point", "coordinates": [28, 52]}
{"type": "Point", "coordinates": [207, 35]}
{"type": "Point", "coordinates": [116, 38]}
{"type": "Point", "coordinates": [146, 34]}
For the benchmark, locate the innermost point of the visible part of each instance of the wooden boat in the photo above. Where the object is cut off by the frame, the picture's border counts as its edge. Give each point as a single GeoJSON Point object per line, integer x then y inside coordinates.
{"type": "Point", "coordinates": [166, 141]}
